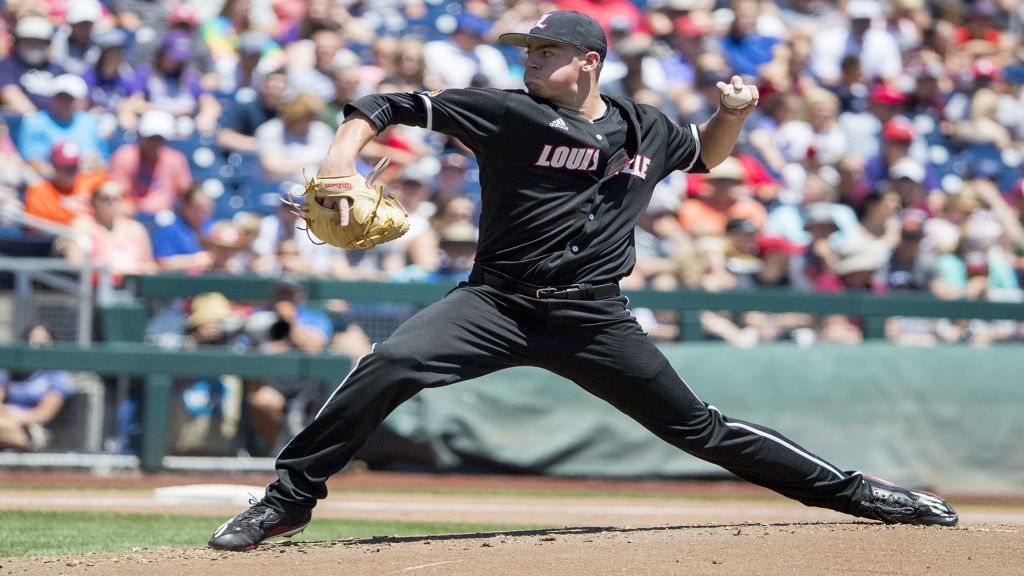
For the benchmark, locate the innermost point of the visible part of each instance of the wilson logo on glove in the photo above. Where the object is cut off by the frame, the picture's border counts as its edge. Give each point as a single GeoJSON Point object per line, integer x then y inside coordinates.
{"type": "Point", "coordinates": [375, 217]}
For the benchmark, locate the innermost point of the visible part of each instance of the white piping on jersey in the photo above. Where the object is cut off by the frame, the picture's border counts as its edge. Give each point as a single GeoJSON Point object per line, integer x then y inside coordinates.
{"type": "Point", "coordinates": [347, 376]}
{"type": "Point", "coordinates": [350, 372]}
{"type": "Point", "coordinates": [696, 138]}
{"type": "Point", "coordinates": [430, 111]}
{"type": "Point", "coordinates": [782, 442]}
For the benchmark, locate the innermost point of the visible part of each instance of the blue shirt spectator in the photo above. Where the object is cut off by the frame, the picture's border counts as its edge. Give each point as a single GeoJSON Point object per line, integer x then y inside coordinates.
{"type": "Point", "coordinates": [744, 48]}
{"type": "Point", "coordinates": [28, 391]}
{"type": "Point", "coordinates": [177, 239]}
{"type": "Point", "coordinates": [59, 123]}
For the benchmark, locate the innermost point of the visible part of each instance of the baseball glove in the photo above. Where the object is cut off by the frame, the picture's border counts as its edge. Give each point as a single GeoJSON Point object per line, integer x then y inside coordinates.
{"type": "Point", "coordinates": [375, 216]}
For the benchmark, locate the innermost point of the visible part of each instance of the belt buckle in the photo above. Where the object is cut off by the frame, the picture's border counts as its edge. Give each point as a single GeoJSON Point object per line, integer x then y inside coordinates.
{"type": "Point", "coordinates": [545, 292]}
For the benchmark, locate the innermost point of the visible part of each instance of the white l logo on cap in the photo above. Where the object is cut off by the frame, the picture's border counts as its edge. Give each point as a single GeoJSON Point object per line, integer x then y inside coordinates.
{"type": "Point", "coordinates": [540, 21]}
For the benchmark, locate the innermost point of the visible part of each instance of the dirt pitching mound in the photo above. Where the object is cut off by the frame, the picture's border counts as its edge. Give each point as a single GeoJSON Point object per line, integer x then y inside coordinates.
{"type": "Point", "coordinates": [818, 548]}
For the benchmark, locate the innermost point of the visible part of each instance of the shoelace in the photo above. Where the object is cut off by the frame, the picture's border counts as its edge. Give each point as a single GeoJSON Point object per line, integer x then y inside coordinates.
{"type": "Point", "coordinates": [256, 514]}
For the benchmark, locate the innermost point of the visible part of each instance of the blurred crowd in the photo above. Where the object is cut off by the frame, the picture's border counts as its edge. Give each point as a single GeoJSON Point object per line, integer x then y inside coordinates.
{"type": "Point", "coordinates": [886, 153]}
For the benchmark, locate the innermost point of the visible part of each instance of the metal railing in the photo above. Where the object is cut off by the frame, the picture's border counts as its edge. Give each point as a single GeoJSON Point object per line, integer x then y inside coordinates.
{"type": "Point", "coordinates": [46, 271]}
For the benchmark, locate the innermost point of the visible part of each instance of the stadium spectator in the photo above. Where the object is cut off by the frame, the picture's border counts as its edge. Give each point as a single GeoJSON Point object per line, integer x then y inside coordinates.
{"type": "Point", "coordinates": [910, 267]}
{"type": "Point", "coordinates": [63, 120]}
{"type": "Point", "coordinates": [457, 250]}
{"type": "Point", "coordinates": [725, 196]}
{"type": "Point", "coordinates": [27, 74]}
{"type": "Point", "coordinates": [409, 72]}
{"type": "Point", "coordinates": [30, 400]}
{"type": "Point", "coordinates": [347, 81]}
{"type": "Point", "coordinates": [239, 124]}
{"type": "Point", "coordinates": [285, 324]}
{"type": "Point", "coordinates": [315, 77]}
{"type": "Point", "coordinates": [224, 34]}
{"type": "Point", "coordinates": [110, 77]}
{"type": "Point", "coordinates": [464, 60]}
{"type": "Point", "coordinates": [745, 48]}
{"type": "Point", "coordinates": [879, 216]}
{"type": "Point", "coordinates": [294, 141]}
{"type": "Point", "coordinates": [897, 140]}
{"type": "Point", "coordinates": [72, 46]}
{"type": "Point", "coordinates": [67, 193]}
{"type": "Point", "coordinates": [229, 247]}
{"type": "Point", "coordinates": [977, 269]}
{"type": "Point", "coordinates": [177, 242]}
{"type": "Point", "coordinates": [207, 417]}
{"type": "Point", "coordinates": [173, 85]}
{"type": "Point", "coordinates": [116, 242]}
{"type": "Point", "coordinates": [659, 242]}
{"type": "Point", "coordinates": [879, 52]}
{"type": "Point", "coordinates": [152, 173]}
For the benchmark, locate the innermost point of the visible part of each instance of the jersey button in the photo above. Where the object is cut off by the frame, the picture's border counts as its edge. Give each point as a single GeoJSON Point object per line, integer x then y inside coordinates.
{"type": "Point", "coordinates": [590, 216]}
{"type": "Point", "coordinates": [574, 249]}
{"type": "Point", "coordinates": [599, 137]}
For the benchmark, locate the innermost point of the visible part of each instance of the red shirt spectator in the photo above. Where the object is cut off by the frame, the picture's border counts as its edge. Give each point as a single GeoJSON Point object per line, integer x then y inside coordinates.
{"type": "Point", "coordinates": [152, 174]}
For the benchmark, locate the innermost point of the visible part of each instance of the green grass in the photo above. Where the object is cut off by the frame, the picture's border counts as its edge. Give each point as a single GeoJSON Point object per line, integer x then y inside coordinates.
{"type": "Point", "coordinates": [29, 533]}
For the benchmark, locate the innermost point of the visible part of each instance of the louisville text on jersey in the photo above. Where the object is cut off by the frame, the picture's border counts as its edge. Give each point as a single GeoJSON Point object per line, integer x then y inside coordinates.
{"type": "Point", "coordinates": [586, 160]}
{"type": "Point", "coordinates": [569, 158]}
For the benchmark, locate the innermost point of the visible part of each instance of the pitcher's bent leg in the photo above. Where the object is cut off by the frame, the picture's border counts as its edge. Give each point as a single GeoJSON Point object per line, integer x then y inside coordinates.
{"type": "Point", "coordinates": [455, 339]}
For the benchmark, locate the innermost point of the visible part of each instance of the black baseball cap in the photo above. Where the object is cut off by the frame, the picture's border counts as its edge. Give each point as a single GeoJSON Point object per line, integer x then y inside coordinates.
{"type": "Point", "coordinates": [563, 26]}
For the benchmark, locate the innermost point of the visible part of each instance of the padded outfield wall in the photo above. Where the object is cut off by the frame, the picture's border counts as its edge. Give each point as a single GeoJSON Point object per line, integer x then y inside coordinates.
{"type": "Point", "coordinates": [949, 417]}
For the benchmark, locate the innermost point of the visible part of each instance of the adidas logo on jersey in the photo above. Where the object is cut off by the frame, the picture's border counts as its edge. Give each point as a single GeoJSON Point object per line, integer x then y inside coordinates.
{"type": "Point", "coordinates": [560, 124]}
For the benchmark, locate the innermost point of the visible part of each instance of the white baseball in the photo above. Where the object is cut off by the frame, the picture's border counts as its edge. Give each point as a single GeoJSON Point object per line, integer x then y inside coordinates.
{"type": "Point", "coordinates": [738, 98]}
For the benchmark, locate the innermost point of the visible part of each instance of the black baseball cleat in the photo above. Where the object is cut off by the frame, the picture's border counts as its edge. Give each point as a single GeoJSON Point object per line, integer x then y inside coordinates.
{"type": "Point", "coordinates": [895, 505]}
{"type": "Point", "coordinates": [251, 528]}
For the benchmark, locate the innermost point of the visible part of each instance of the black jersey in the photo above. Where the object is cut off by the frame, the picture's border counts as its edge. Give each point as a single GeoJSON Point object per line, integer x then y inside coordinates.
{"type": "Point", "coordinates": [560, 195]}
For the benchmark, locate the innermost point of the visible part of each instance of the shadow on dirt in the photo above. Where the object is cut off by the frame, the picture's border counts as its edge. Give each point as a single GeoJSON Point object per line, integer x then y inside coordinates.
{"type": "Point", "coordinates": [571, 531]}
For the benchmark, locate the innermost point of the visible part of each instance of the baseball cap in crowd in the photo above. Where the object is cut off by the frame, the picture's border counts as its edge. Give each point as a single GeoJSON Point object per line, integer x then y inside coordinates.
{"type": "Point", "coordinates": [740, 226]}
{"type": "Point", "coordinates": [777, 244]}
{"type": "Point", "coordinates": [729, 169]}
{"type": "Point", "coordinates": [209, 307]}
{"type": "Point", "coordinates": [113, 38]}
{"type": "Point", "coordinates": [909, 169]}
{"type": "Point", "coordinates": [177, 46]}
{"type": "Point", "coordinates": [883, 93]}
{"type": "Point", "coordinates": [183, 13]}
{"type": "Point", "coordinates": [984, 68]}
{"type": "Point", "coordinates": [819, 214]}
{"type": "Point", "coordinates": [33, 27]}
{"type": "Point", "coordinates": [460, 232]}
{"type": "Point", "coordinates": [868, 256]}
{"type": "Point", "coordinates": [863, 9]}
{"type": "Point", "coordinates": [687, 27]}
{"type": "Point", "coordinates": [252, 42]}
{"type": "Point", "coordinates": [65, 154]}
{"type": "Point", "coordinates": [156, 123]}
{"type": "Point", "coordinates": [566, 27]}
{"type": "Point", "coordinates": [898, 129]}
{"type": "Point", "coordinates": [71, 85]}
{"type": "Point", "coordinates": [83, 11]}
{"type": "Point", "coordinates": [474, 24]}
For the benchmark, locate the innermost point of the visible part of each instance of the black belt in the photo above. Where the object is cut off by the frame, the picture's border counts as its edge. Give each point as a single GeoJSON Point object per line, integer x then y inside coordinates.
{"type": "Point", "coordinates": [581, 291]}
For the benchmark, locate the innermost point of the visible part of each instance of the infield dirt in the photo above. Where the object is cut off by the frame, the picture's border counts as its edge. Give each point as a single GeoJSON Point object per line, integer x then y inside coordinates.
{"type": "Point", "coordinates": [675, 528]}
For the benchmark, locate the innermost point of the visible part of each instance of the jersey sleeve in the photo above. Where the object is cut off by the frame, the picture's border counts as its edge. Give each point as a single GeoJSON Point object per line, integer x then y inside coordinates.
{"type": "Point", "coordinates": [471, 114]}
{"type": "Point", "coordinates": [682, 148]}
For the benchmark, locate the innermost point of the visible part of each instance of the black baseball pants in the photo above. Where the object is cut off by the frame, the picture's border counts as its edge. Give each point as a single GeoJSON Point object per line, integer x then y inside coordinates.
{"type": "Point", "coordinates": [478, 329]}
